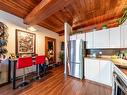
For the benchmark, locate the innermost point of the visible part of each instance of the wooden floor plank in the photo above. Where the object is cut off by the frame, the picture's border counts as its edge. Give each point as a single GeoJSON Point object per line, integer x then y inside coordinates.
{"type": "Point", "coordinates": [55, 83]}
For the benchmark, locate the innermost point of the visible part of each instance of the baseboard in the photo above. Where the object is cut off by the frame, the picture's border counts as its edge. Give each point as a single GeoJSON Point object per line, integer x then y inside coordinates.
{"type": "Point", "coordinates": [3, 84]}
{"type": "Point", "coordinates": [100, 84]}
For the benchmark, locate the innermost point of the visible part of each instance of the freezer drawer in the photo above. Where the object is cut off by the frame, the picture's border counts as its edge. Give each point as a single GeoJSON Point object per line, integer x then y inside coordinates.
{"type": "Point", "coordinates": [75, 70]}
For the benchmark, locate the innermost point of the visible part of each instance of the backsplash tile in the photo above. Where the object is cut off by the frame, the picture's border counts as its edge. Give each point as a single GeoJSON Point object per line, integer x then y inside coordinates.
{"type": "Point", "coordinates": [104, 51]}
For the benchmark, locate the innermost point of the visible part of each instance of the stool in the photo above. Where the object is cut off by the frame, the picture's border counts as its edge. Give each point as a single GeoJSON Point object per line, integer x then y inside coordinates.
{"type": "Point", "coordinates": [22, 63]}
{"type": "Point", "coordinates": [39, 60]}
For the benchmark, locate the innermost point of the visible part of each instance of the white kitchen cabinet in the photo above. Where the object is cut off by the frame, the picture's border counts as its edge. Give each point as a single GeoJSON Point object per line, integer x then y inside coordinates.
{"type": "Point", "coordinates": [81, 36]}
{"type": "Point", "coordinates": [98, 70]}
{"type": "Point", "coordinates": [73, 37]}
{"type": "Point", "coordinates": [105, 72]}
{"type": "Point", "coordinates": [92, 69]}
{"type": "Point", "coordinates": [123, 36]}
{"type": "Point", "coordinates": [89, 40]}
{"type": "Point", "coordinates": [115, 37]}
{"type": "Point", "coordinates": [101, 39]}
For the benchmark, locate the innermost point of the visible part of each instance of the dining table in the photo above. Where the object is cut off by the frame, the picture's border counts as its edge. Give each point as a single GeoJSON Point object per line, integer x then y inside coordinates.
{"type": "Point", "coordinates": [12, 67]}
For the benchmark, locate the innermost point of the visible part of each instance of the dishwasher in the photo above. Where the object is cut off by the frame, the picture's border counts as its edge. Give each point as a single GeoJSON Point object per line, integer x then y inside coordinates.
{"type": "Point", "coordinates": [119, 86]}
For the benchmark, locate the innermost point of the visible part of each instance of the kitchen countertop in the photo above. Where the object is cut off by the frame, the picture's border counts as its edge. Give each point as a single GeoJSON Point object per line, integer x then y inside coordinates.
{"type": "Point", "coordinates": [99, 58]}
{"type": "Point", "coordinates": [124, 71]}
{"type": "Point", "coordinates": [120, 63]}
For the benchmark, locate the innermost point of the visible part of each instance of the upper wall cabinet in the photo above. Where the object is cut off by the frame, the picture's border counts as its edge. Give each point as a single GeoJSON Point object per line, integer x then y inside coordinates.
{"type": "Point", "coordinates": [81, 36]}
{"type": "Point", "coordinates": [101, 39]}
{"type": "Point", "coordinates": [89, 40]}
{"type": "Point", "coordinates": [124, 36]}
{"type": "Point", "coordinates": [107, 38]}
{"type": "Point", "coordinates": [73, 37]}
{"type": "Point", "coordinates": [115, 37]}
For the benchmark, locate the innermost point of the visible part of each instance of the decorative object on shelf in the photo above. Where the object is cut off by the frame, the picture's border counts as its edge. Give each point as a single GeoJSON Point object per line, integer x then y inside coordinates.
{"type": "Point", "coordinates": [104, 26]}
{"type": "Point", "coordinates": [76, 32]}
{"type": "Point", "coordinates": [3, 39]}
{"type": "Point", "coordinates": [12, 55]}
{"type": "Point", "coordinates": [71, 33]}
{"type": "Point", "coordinates": [17, 55]}
{"type": "Point", "coordinates": [123, 18]}
{"type": "Point", "coordinates": [25, 42]}
{"type": "Point", "coordinates": [94, 29]}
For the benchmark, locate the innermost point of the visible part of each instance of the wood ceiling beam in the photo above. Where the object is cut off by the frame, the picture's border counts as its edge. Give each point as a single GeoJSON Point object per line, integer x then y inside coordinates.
{"type": "Point", "coordinates": [45, 9]}
{"type": "Point", "coordinates": [95, 21]}
{"type": "Point", "coordinates": [110, 23]}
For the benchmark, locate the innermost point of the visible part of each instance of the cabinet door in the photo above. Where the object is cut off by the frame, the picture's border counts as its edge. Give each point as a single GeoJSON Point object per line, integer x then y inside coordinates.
{"type": "Point", "coordinates": [89, 40]}
{"type": "Point", "coordinates": [81, 36]}
{"type": "Point", "coordinates": [92, 69]}
{"type": "Point", "coordinates": [124, 36]}
{"type": "Point", "coordinates": [73, 37]}
{"type": "Point", "coordinates": [115, 37]}
{"type": "Point", "coordinates": [105, 72]}
{"type": "Point", "coordinates": [101, 39]}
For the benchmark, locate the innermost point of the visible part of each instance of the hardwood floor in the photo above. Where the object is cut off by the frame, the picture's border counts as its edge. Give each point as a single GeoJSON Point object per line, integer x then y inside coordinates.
{"type": "Point", "coordinates": [56, 84]}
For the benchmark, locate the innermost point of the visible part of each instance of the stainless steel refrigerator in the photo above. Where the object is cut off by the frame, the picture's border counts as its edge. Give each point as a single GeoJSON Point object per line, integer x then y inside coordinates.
{"type": "Point", "coordinates": [76, 58]}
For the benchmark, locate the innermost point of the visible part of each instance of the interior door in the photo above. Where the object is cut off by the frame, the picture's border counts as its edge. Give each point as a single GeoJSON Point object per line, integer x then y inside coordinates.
{"type": "Point", "coordinates": [50, 49]}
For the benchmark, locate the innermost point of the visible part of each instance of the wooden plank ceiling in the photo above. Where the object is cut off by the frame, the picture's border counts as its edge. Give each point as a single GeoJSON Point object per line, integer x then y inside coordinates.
{"type": "Point", "coordinates": [86, 14]}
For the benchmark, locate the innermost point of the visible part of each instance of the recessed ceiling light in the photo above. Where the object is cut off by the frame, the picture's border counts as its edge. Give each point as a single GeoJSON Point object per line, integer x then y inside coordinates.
{"type": "Point", "coordinates": [31, 28]}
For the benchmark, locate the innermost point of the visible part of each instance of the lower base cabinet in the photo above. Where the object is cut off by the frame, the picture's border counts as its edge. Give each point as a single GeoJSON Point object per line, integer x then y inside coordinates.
{"type": "Point", "coordinates": [92, 69]}
{"type": "Point", "coordinates": [105, 72]}
{"type": "Point", "coordinates": [99, 71]}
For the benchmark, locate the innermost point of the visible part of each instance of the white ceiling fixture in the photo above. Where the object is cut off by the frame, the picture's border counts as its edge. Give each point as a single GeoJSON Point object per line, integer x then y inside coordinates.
{"type": "Point", "coordinates": [31, 28]}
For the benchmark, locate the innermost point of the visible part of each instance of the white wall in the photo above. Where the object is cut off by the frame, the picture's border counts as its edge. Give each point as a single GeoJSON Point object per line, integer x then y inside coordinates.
{"type": "Point", "coordinates": [61, 38]}
{"type": "Point", "coordinates": [14, 23]}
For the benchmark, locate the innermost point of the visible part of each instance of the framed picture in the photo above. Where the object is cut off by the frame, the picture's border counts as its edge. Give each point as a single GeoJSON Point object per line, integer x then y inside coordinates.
{"type": "Point", "coordinates": [25, 42]}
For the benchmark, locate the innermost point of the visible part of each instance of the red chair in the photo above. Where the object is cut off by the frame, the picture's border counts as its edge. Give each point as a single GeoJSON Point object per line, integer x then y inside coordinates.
{"type": "Point", "coordinates": [39, 60]}
{"type": "Point", "coordinates": [22, 63]}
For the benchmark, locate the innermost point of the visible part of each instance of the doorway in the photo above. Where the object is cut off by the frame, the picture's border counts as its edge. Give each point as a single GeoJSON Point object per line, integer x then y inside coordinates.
{"type": "Point", "coordinates": [50, 49]}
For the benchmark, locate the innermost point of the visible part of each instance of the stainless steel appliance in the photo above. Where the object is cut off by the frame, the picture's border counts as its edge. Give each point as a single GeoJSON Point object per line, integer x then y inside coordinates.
{"type": "Point", "coordinates": [76, 56]}
{"type": "Point", "coordinates": [4, 71]}
{"type": "Point", "coordinates": [119, 85]}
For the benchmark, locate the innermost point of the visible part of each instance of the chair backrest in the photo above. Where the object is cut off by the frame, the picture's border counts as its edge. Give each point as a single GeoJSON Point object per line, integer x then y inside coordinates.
{"type": "Point", "coordinates": [24, 62]}
{"type": "Point", "coordinates": [40, 59]}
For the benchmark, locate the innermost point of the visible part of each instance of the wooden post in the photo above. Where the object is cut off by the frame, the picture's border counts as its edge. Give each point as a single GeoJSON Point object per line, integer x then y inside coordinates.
{"type": "Point", "coordinates": [67, 30]}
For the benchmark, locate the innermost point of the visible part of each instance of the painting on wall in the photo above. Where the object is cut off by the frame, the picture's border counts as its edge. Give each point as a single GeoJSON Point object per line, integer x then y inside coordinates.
{"type": "Point", "coordinates": [25, 42]}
